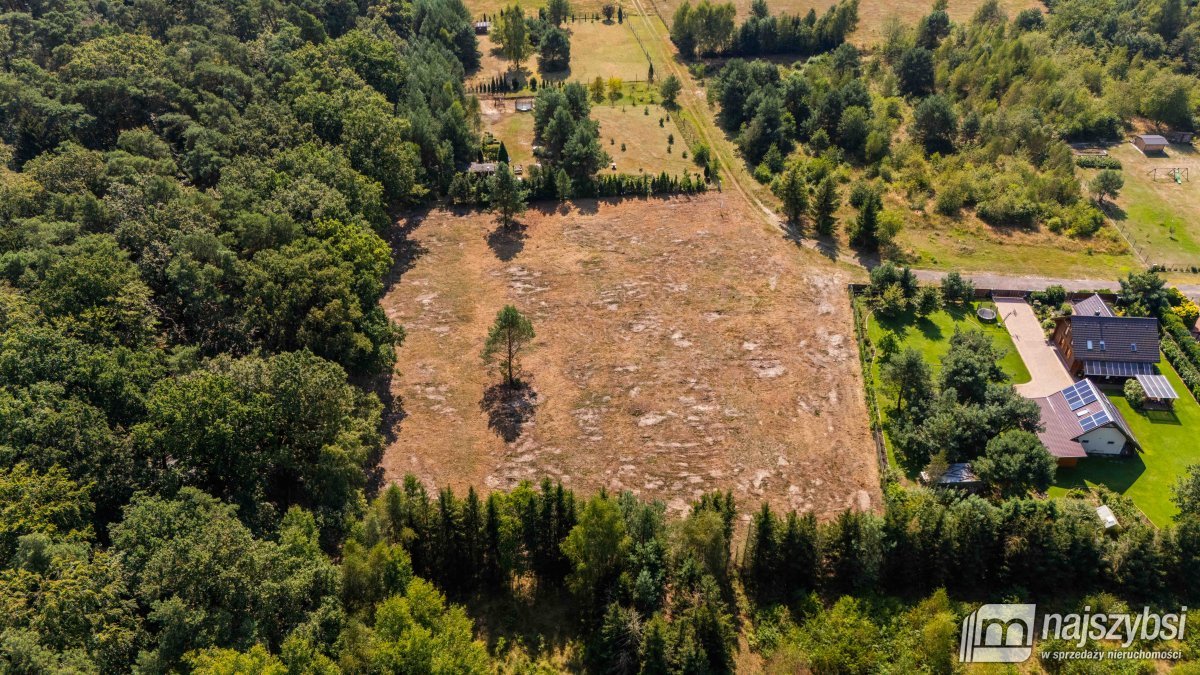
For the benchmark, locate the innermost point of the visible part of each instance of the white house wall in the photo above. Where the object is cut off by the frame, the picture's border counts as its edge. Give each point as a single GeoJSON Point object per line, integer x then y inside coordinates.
{"type": "Point", "coordinates": [1103, 441]}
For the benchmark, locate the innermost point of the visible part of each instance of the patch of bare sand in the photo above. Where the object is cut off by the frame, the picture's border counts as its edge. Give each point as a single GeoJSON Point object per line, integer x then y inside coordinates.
{"type": "Point", "coordinates": [681, 347]}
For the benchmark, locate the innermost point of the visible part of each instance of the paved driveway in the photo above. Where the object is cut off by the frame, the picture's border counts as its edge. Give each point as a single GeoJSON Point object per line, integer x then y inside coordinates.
{"type": "Point", "coordinates": [1046, 367]}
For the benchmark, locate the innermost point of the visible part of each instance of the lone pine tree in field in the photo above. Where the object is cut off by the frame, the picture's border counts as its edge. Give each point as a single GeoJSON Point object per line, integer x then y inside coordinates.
{"type": "Point", "coordinates": [509, 336]}
{"type": "Point", "coordinates": [506, 194]}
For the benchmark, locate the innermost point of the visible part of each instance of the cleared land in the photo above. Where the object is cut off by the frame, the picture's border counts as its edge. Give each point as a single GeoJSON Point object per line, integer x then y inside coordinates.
{"type": "Point", "coordinates": [1161, 217]}
{"type": "Point", "coordinates": [873, 15]}
{"type": "Point", "coordinates": [1168, 448]}
{"type": "Point", "coordinates": [491, 7]}
{"type": "Point", "coordinates": [645, 142]}
{"type": "Point", "coordinates": [680, 349]}
{"type": "Point", "coordinates": [598, 49]}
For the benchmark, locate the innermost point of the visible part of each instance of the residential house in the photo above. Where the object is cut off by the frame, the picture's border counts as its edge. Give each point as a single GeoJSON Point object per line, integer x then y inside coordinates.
{"type": "Point", "coordinates": [1094, 342]}
{"type": "Point", "coordinates": [1080, 421]}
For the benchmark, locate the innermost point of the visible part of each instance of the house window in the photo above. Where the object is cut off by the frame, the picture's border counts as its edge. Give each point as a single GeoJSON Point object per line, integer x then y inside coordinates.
{"type": "Point", "coordinates": [1089, 345]}
{"type": "Point", "coordinates": [1133, 346]}
{"type": "Point", "coordinates": [1102, 345]}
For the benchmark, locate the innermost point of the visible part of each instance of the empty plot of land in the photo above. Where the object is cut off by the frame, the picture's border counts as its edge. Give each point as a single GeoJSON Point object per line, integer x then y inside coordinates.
{"type": "Point", "coordinates": [1161, 216]}
{"type": "Point", "coordinates": [633, 139]}
{"type": "Point", "coordinates": [681, 348]}
{"type": "Point", "coordinates": [598, 49]}
{"type": "Point", "coordinates": [492, 7]}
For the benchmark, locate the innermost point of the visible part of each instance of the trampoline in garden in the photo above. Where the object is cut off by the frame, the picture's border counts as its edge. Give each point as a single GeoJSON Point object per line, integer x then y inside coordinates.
{"type": "Point", "coordinates": [986, 313]}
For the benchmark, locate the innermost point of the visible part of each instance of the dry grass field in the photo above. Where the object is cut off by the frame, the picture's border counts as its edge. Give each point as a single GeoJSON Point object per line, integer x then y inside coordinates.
{"type": "Point", "coordinates": [873, 15]}
{"type": "Point", "coordinates": [681, 347]}
{"type": "Point", "coordinates": [490, 7]}
{"type": "Point", "coordinates": [598, 49]}
{"type": "Point", "coordinates": [645, 142]}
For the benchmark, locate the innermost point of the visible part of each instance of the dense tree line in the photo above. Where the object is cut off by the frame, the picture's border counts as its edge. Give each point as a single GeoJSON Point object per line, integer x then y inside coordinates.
{"type": "Point", "coordinates": [184, 584]}
{"type": "Point", "coordinates": [192, 196]}
{"type": "Point", "coordinates": [708, 30]}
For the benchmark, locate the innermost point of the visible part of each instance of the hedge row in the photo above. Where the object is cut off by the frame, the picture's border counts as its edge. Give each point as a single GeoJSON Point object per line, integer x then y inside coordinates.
{"type": "Point", "coordinates": [1183, 337]}
{"type": "Point", "coordinates": [1097, 162]}
{"type": "Point", "coordinates": [1187, 371]}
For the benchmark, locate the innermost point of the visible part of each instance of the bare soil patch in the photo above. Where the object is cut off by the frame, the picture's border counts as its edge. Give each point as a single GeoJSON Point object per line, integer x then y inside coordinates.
{"type": "Point", "coordinates": [681, 347]}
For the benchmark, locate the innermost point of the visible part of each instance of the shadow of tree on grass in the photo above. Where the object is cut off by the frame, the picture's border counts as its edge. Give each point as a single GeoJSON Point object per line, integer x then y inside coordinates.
{"type": "Point", "coordinates": [508, 408]}
{"type": "Point", "coordinates": [507, 241]}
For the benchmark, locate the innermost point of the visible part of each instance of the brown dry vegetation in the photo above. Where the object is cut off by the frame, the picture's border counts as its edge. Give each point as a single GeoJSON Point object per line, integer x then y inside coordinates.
{"type": "Point", "coordinates": [681, 347]}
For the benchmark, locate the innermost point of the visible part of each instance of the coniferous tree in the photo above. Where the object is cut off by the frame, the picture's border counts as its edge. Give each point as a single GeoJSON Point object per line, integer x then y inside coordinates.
{"type": "Point", "coordinates": [825, 205]}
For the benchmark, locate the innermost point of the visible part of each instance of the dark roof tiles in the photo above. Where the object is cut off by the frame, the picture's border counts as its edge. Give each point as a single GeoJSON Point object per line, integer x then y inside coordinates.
{"type": "Point", "coordinates": [1115, 338]}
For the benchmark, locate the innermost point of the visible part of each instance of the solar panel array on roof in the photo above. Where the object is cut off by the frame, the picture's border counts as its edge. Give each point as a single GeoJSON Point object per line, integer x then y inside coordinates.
{"type": "Point", "coordinates": [1157, 387]}
{"type": "Point", "coordinates": [1117, 368]}
{"type": "Point", "coordinates": [1100, 418]}
{"type": "Point", "coordinates": [1079, 394]}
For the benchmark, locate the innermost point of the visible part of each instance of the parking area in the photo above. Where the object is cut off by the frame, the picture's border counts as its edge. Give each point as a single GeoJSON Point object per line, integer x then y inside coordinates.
{"type": "Point", "coordinates": [1047, 371]}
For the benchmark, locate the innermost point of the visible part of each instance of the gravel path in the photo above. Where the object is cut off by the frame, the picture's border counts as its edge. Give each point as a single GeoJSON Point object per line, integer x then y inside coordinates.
{"type": "Point", "coordinates": [1046, 368]}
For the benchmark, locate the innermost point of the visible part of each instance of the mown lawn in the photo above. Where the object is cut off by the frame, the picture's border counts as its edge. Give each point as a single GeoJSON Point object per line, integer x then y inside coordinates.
{"type": "Point", "coordinates": [1162, 217]}
{"type": "Point", "coordinates": [1169, 447]}
{"type": "Point", "coordinates": [931, 336]}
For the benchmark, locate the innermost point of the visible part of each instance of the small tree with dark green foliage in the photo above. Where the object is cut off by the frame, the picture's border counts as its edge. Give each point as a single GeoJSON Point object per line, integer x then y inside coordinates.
{"type": "Point", "coordinates": [1014, 463]}
{"type": "Point", "coordinates": [791, 190]}
{"type": "Point", "coordinates": [1143, 294]}
{"type": "Point", "coordinates": [825, 205]}
{"type": "Point", "coordinates": [864, 230]}
{"type": "Point", "coordinates": [506, 194]}
{"type": "Point", "coordinates": [927, 301]}
{"type": "Point", "coordinates": [1107, 183]}
{"type": "Point", "coordinates": [956, 289]}
{"type": "Point", "coordinates": [509, 336]}
{"type": "Point", "coordinates": [908, 378]}
{"type": "Point", "coordinates": [1186, 492]}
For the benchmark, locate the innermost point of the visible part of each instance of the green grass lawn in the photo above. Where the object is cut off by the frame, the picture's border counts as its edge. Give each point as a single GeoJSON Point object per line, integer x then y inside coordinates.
{"type": "Point", "coordinates": [1169, 447]}
{"type": "Point", "coordinates": [931, 336]}
{"type": "Point", "coordinates": [1159, 215]}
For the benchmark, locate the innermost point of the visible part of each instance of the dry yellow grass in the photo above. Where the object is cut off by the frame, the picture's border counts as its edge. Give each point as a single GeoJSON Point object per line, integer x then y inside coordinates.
{"type": "Point", "coordinates": [680, 349]}
{"type": "Point", "coordinates": [491, 7]}
{"type": "Point", "coordinates": [645, 142]}
{"type": "Point", "coordinates": [597, 49]}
